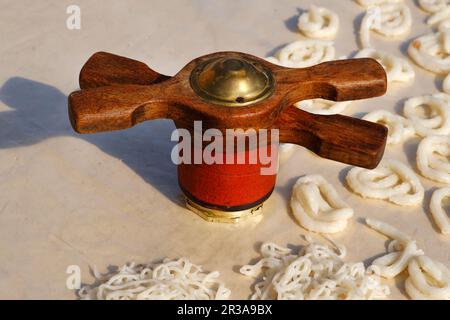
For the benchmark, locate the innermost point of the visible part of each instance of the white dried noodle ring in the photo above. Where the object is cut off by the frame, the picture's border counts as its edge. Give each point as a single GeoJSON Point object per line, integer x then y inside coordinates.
{"type": "Point", "coordinates": [431, 52]}
{"type": "Point", "coordinates": [439, 16]}
{"type": "Point", "coordinates": [395, 21]}
{"type": "Point", "coordinates": [436, 120]}
{"type": "Point", "coordinates": [446, 84]}
{"type": "Point", "coordinates": [437, 211]}
{"type": "Point", "coordinates": [399, 128]}
{"type": "Point", "coordinates": [306, 53]}
{"type": "Point", "coordinates": [317, 206]}
{"type": "Point", "coordinates": [391, 20]}
{"type": "Point", "coordinates": [319, 23]}
{"type": "Point", "coordinates": [391, 180]}
{"type": "Point", "coordinates": [393, 263]}
{"type": "Point", "coordinates": [322, 106]}
{"type": "Point", "coordinates": [371, 20]}
{"type": "Point", "coordinates": [433, 5]}
{"type": "Point", "coordinates": [371, 3]}
{"type": "Point", "coordinates": [397, 69]}
{"type": "Point", "coordinates": [428, 279]}
{"type": "Point", "coordinates": [432, 158]}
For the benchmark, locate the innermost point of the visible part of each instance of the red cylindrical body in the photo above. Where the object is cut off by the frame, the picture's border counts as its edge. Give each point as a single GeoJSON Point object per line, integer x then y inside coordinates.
{"type": "Point", "coordinates": [230, 187]}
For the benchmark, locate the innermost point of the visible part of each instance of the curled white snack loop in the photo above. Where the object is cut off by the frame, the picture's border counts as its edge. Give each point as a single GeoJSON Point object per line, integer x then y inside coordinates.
{"type": "Point", "coordinates": [317, 206]}
{"type": "Point", "coordinates": [399, 128]}
{"type": "Point", "coordinates": [391, 20]}
{"type": "Point", "coordinates": [438, 120]}
{"type": "Point", "coordinates": [170, 280]}
{"type": "Point", "coordinates": [394, 262]}
{"type": "Point", "coordinates": [439, 215]}
{"type": "Point", "coordinates": [306, 53]}
{"type": "Point", "coordinates": [391, 180]}
{"type": "Point", "coordinates": [322, 106]}
{"type": "Point", "coordinates": [431, 52]}
{"type": "Point", "coordinates": [397, 69]}
{"type": "Point", "coordinates": [431, 158]}
{"type": "Point", "coordinates": [319, 23]}
{"type": "Point", "coordinates": [315, 272]}
{"type": "Point", "coordinates": [428, 279]}
{"type": "Point", "coordinates": [395, 21]}
{"type": "Point", "coordinates": [371, 3]}
{"type": "Point", "coordinates": [439, 16]}
{"type": "Point", "coordinates": [371, 20]}
{"type": "Point", "coordinates": [433, 5]}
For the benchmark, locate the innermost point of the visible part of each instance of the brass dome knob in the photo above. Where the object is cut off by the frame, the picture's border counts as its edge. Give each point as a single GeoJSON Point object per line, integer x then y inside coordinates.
{"type": "Point", "coordinates": [232, 81]}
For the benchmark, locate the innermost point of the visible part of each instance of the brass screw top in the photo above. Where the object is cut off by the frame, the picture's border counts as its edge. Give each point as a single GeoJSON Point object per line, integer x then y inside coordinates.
{"type": "Point", "coordinates": [232, 81]}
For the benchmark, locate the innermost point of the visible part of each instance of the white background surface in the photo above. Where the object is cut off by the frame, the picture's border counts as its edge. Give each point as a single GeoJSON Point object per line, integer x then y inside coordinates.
{"type": "Point", "coordinates": [109, 198]}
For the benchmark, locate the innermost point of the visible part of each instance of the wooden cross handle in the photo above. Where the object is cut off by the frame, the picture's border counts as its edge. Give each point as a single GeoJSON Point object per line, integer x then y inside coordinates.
{"type": "Point", "coordinates": [105, 69]}
{"type": "Point", "coordinates": [335, 137]}
{"type": "Point", "coordinates": [122, 92]}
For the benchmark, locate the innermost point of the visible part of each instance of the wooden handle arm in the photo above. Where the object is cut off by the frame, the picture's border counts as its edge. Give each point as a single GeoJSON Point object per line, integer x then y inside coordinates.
{"type": "Point", "coordinates": [336, 137]}
{"type": "Point", "coordinates": [106, 69]}
{"type": "Point", "coordinates": [115, 107]}
{"type": "Point", "coordinates": [339, 80]}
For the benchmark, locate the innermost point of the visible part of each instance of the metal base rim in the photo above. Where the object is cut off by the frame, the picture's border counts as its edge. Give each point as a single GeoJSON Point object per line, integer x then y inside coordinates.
{"type": "Point", "coordinates": [214, 215]}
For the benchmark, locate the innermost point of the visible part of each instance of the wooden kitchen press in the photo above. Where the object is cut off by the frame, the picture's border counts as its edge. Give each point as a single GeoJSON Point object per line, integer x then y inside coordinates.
{"type": "Point", "coordinates": [228, 90]}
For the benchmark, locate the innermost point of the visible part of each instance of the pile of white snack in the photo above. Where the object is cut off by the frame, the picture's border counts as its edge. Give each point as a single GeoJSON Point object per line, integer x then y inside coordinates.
{"type": "Point", "coordinates": [315, 272]}
{"type": "Point", "coordinates": [170, 280]}
{"type": "Point", "coordinates": [318, 271]}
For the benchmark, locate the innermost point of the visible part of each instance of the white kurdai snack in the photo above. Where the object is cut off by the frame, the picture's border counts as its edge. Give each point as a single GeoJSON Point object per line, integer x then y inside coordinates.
{"type": "Point", "coordinates": [431, 52]}
{"type": "Point", "coordinates": [322, 106]}
{"type": "Point", "coordinates": [306, 53]}
{"type": "Point", "coordinates": [439, 16]}
{"type": "Point", "coordinates": [170, 280]}
{"type": "Point", "coordinates": [391, 20]}
{"type": "Point", "coordinates": [371, 3]}
{"type": "Point", "coordinates": [432, 6]}
{"type": "Point", "coordinates": [316, 272]}
{"type": "Point", "coordinates": [432, 158]}
{"type": "Point", "coordinates": [319, 23]}
{"type": "Point", "coordinates": [395, 21]}
{"type": "Point", "coordinates": [397, 69]}
{"type": "Point", "coordinates": [428, 279]}
{"type": "Point", "coordinates": [371, 20]}
{"type": "Point", "coordinates": [439, 215]}
{"type": "Point", "coordinates": [393, 263]}
{"type": "Point", "coordinates": [435, 120]}
{"type": "Point", "coordinates": [399, 128]}
{"type": "Point", "coordinates": [317, 206]}
{"type": "Point", "coordinates": [391, 180]}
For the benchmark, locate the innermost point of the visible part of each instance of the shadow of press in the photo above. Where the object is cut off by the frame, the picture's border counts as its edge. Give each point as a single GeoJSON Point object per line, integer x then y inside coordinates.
{"type": "Point", "coordinates": [39, 111]}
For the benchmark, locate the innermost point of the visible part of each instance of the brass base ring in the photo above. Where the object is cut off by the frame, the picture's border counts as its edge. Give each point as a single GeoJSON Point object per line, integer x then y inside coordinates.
{"type": "Point", "coordinates": [215, 215]}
